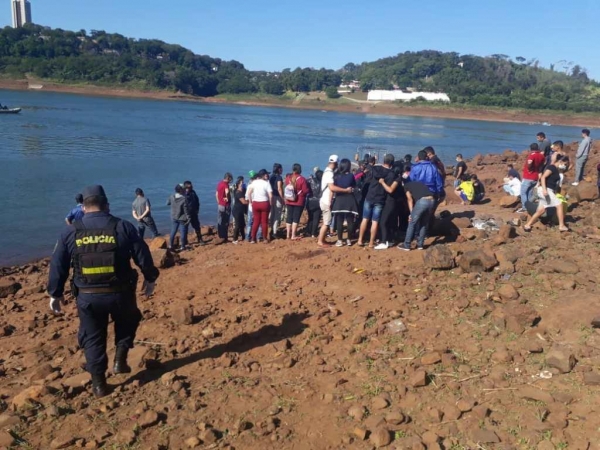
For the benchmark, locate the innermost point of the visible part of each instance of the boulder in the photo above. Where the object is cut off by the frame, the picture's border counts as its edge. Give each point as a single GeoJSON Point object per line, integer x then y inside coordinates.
{"type": "Point", "coordinates": [477, 261]}
{"type": "Point", "coordinates": [561, 360]}
{"type": "Point", "coordinates": [183, 315]}
{"type": "Point", "coordinates": [31, 393]}
{"type": "Point", "coordinates": [585, 192]}
{"type": "Point", "coordinates": [507, 232]}
{"type": "Point", "coordinates": [524, 315]}
{"type": "Point", "coordinates": [510, 155]}
{"type": "Point", "coordinates": [510, 201]}
{"type": "Point", "coordinates": [462, 222]}
{"type": "Point", "coordinates": [419, 379]}
{"type": "Point", "coordinates": [381, 437]}
{"type": "Point", "coordinates": [439, 257]}
{"type": "Point", "coordinates": [566, 267]}
{"type": "Point", "coordinates": [158, 243]}
{"type": "Point", "coordinates": [163, 258]}
{"type": "Point", "coordinates": [508, 292]}
{"type": "Point", "coordinates": [9, 287]}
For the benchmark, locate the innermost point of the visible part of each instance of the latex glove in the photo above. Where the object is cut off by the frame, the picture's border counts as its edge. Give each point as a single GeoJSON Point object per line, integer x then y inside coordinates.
{"type": "Point", "coordinates": [55, 304]}
{"type": "Point", "coordinates": [148, 288]}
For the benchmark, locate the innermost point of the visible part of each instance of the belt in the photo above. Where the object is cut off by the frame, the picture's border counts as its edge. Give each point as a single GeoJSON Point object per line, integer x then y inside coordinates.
{"type": "Point", "coordinates": [427, 198]}
{"type": "Point", "coordinates": [105, 290]}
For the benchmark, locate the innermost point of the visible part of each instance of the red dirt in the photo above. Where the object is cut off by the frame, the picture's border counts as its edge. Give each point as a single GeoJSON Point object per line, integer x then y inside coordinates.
{"type": "Point", "coordinates": [289, 341]}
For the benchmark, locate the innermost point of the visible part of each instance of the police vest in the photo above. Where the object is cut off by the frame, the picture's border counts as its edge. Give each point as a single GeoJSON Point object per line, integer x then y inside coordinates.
{"type": "Point", "coordinates": [96, 260]}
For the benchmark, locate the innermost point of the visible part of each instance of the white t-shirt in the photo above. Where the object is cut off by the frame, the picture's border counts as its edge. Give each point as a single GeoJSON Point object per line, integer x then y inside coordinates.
{"type": "Point", "coordinates": [515, 186]}
{"type": "Point", "coordinates": [261, 190]}
{"type": "Point", "coordinates": [325, 182]}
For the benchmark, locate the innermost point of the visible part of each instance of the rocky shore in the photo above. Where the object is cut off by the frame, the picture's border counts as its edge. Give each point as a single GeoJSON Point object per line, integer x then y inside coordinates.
{"type": "Point", "coordinates": [486, 340]}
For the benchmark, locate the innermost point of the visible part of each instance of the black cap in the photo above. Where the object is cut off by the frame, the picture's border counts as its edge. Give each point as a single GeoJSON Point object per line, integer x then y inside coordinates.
{"type": "Point", "coordinates": [93, 191]}
{"type": "Point", "coordinates": [262, 173]}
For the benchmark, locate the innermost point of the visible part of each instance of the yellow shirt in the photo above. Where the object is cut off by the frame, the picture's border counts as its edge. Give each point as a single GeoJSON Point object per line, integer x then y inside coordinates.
{"type": "Point", "coordinates": [468, 188]}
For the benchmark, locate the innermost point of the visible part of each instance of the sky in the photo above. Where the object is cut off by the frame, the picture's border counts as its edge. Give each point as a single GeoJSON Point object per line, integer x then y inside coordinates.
{"type": "Point", "coordinates": [276, 34]}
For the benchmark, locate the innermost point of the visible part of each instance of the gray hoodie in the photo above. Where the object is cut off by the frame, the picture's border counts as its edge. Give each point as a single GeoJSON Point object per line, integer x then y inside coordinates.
{"type": "Point", "coordinates": [584, 148]}
{"type": "Point", "coordinates": [179, 209]}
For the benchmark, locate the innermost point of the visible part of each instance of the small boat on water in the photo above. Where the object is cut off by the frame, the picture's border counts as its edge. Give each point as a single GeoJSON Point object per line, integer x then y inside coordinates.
{"type": "Point", "coordinates": [10, 111]}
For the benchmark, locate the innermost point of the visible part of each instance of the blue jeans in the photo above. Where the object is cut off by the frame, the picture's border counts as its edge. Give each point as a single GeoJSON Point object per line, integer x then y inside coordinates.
{"type": "Point", "coordinates": [419, 221]}
{"type": "Point", "coordinates": [526, 190]}
{"type": "Point", "coordinates": [249, 227]}
{"type": "Point", "coordinates": [183, 234]}
{"type": "Point", "coordinates": [372, 211]}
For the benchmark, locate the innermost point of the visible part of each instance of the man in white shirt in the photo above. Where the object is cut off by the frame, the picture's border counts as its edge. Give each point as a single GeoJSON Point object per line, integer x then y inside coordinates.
{"type": "Point", "coordinates": [327, 191]}
{"type": "Point", "coordinates": [512, 185]}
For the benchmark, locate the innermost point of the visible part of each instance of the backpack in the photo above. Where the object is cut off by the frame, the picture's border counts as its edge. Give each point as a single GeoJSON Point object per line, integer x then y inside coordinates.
{"type": "Point", "coordinates": [315, 187]}
{"type": "Point", "coordinates": [290, 190]}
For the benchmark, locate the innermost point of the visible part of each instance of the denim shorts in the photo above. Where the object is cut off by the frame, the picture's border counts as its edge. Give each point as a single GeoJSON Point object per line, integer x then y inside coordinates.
{"type": "Point", "coordinates": [372, 211]}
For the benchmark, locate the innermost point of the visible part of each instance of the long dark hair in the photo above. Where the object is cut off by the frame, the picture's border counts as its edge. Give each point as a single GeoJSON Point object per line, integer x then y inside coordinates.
{"type": "Point", "coordinates": [345, 166]}
{"type": "Point", "coordinates": [239, 182]}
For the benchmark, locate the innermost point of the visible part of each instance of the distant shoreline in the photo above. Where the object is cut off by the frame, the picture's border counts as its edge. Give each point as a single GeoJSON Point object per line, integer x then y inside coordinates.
{"type": "Point", "coordinates": [470, 113]}
{"type": "Point", "coordinates": [311, 103]}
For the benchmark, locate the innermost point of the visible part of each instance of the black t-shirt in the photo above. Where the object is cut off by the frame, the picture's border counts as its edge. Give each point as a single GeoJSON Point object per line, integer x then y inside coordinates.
{"type": "Point", "coordinates": [417, 190]}
{"type": "Point", "coordinates": [238, 206]}
{"type": "Point", "coordinates": [458, 166]}
{"type": "Point", "coordinates": [553, 180]}
{"type": "Point", "coordinates": [274, 180]}
{"type": "Point", "coordinates": [377, 194]}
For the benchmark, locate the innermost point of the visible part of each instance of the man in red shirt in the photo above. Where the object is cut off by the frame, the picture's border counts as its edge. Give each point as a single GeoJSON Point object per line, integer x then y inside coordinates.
{"type": "Point", "coordinates": [224, 201]}
{"type": "Point", "coordinates": [531, 174]}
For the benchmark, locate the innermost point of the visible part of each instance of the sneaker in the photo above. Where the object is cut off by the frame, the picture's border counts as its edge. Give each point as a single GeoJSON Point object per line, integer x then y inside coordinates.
{"type": "Point", "coordinates": [349, 243]}
{"type": "Point", "coordinates": [403, 247]}
{"type": "Point", "coordinates": [420, 247]}
{"type": "Point", "coordinates": [575, 183]}
{"type": "Point", "coordinates": [235, 242]}
{"type": "Point", "coordinates": [253, 242]}
{"type": "Point", "coordinates": [382, 246]}
{"type": "Point", "coordinates": [521, 211]}
{"type": "Point", "coordinates": [339, 244]}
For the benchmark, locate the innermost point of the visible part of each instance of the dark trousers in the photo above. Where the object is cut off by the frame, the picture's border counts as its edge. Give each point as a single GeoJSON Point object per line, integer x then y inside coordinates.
{"type": "Point", "coordinates": [223, 221]}
{"type": "Point", "coordinates": [94, 311]}
{"type": "Point", "coordinates": [147, 222]}
{"type": "Point", "coordinates": [195, 224]}
{"type": "Point", "coordinates": [240, 224]}
{"type": "Point", "coordinates": [314, 218]}
{"type": "Point", "coordinates": [339, 222]}
{"type": "Point", "coordinates": [389, 215]}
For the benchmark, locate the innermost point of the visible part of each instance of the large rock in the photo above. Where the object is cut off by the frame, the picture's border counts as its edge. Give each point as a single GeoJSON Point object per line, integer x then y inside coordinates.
{"type": "Point", "coordinates": [158, 243]}
{"type": "Point", "coordinates": [566, 267]}
{"type": "Point", "coordinates": [462, 222]}
{"type": "Point", "coordinates": [507, 232]}
{"type": "Point", "coordinates": [439, 257]}
{"type": "Point", "coordinates": [483, 436]}
{"type": "Point", "coordinates": [477, 261]}
{"type": "Point", "coordinates": [585, 192]}
{"type": "Point", "coordinates": [163, 259]}
{"type": "Point", "coordinates": [381, 437]}
{"type": "Point", "coordinates": [510, 155]}
{"type": "Point", "coordinates": [508, 292]}
{"type": "Point", "coordinates": [24, 397]}
{"type": "Point", "coordinates": [561, 360]}
{"type": "Point", "coordinates": [510, 201]}
{"type": "Point", "coordinates": [9, 287]}
{"type": "Point", "coordinates": [183, 315]}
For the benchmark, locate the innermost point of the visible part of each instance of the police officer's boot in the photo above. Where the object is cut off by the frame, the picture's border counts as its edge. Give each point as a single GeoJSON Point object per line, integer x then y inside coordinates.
{"type": "Point", "coordinates": [99, 386]}
{"type": "Point", "coordinates": [121, 361]}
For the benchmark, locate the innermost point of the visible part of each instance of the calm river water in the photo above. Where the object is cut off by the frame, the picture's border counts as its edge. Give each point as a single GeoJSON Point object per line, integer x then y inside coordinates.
{"type": "Point", "coordinates": [61, 143]}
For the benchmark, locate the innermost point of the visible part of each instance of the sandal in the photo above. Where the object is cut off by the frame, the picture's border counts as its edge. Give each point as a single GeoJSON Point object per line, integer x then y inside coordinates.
{"type": "Point", "coordinates": [564, 230]}
{"type": "Point", "coordinates": [526, 229]}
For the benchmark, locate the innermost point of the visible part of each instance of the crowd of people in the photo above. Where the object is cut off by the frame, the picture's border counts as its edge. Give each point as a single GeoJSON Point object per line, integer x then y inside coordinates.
{"type": "Point", "coordinates": [367, 202]}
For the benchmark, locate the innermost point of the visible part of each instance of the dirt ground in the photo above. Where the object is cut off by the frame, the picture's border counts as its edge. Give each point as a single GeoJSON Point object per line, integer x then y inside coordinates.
{"type": "Point", "coordinates": [485, 340]}
{"type": "Point", "coordinates": [310, 102]}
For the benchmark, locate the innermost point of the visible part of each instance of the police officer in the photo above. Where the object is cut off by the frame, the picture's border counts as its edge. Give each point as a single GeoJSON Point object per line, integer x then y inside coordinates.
{"type": "Point", "coordinates": [99, 247]}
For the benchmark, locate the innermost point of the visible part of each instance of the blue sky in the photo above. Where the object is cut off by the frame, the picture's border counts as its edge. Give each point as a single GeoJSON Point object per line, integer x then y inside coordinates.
{"type": "Point", "coordinates": [275, 34]}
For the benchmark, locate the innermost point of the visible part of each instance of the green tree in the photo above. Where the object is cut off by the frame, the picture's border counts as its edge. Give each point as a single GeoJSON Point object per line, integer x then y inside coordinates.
{"type": "Point", "coordinates": [332, 92]}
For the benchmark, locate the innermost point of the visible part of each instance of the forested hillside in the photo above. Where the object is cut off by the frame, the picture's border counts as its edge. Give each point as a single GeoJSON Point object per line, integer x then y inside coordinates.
{"type": "Point", "coordinates": [101, 58]}
{"type": "Point", "coordinates": [492, 81]}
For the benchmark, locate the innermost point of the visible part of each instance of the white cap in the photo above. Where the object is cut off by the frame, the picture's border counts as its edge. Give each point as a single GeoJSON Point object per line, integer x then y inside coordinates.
{"type": "Point", "coordinates": [333, 158]}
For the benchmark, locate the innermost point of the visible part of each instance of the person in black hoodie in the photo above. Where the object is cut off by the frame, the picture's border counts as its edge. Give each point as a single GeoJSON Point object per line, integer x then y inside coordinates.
{"type": "Point", "coordinates": [375, 199]}
{"type": "Point", "coordinates": [179, 217]}
{"type": "Point", "coordinates": [193, 206]}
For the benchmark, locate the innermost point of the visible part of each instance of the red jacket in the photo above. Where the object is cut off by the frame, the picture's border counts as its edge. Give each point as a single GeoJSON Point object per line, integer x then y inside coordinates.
{"type": "Point", "coordinates": [302, 190]}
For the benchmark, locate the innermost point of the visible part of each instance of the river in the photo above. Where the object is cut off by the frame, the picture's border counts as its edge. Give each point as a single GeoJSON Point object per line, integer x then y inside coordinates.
{"type": "Point", "coordinates": [61, 143]}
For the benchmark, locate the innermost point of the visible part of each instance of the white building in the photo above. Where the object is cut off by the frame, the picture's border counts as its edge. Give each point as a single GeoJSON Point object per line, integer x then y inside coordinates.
{"type": "Point", "coordinates": [392, 96]}
{"type": "Point", "coordinates": [21, 13]}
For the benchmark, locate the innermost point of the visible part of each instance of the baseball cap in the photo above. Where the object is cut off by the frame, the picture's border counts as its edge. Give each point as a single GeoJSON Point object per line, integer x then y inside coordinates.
{"type": "Point", "coordinates": [333, 158]}
{"type": "Point", "coordinates": [93, 191]}
{"type": "Point", "coordinates": [252, 174]}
